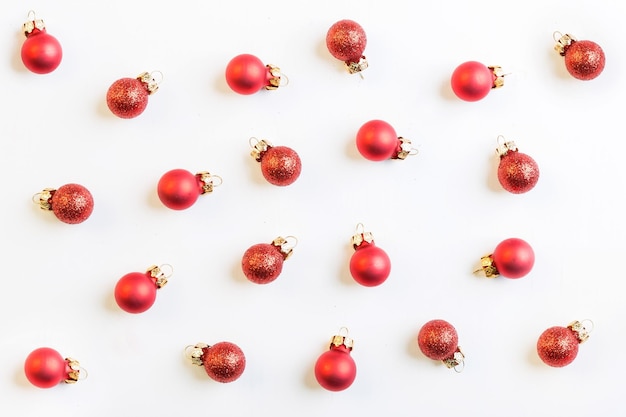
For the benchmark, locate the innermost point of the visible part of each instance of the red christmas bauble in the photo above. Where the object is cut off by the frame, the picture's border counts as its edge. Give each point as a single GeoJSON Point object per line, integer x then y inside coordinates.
{"type": "Point", "coordinates": [127, 97]}
{"type": "Point", "coordinates": [346, 41]}
{"type": "Point", "coordinates": [472, 81]}
{"type": "Point", "coordinates": [558, 346]}
{"type": "Point", "coordinates": [335, 370]}
{"type": "Point", "coordinates": [224, 361]}
{"type": "Point", "coordinates": [136, 292]}
{"type": "Point", "coordinates": [438, 340]}
{"type": "Point", "coordinates": [179, 189]}
{"type": "Point", "coordinates": [280, 165]}
{"type": "Point", "coordinates": [41, 52]}
{"type": "Point", "coordinates": [513, 258]}
{"type": "Point", "coordinates": [377, 140]}
{"type": "Point", "coordinates": [246, 74]}
{"type": "Point", "coordinates": [71, 203]}
{"type": "Point", "coordinates": [584, 60]}
{"type": "Point", "coordinates": [370, 265]}
{"type": "Point", "coordinates": [517, 172]}
{"type": "Point", "coordinates": [262, 263]}
{"type": "Point", "coordinates": [45, 368]}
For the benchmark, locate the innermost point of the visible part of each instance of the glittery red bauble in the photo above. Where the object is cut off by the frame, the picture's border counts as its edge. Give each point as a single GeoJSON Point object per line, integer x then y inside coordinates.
{"type": "Point", "coordinates": [246, 74]}
{"type": "Point", "coordinates": [558, 346]}
{"type": "Point", "coordinates": [135, 292]}
{"type": "Point", "coordinates": [369, 265]}
{"type": "Point", "coordinates": [584, 60]}
{"type": "Point", "coordinates": [224, 361]}
{"type": "Point", "coordinates": [517, 172]}
{"type": "Point", "coordinates": [262, 263]}
{"type": "Point", "coordinates": [45, 368]}
{"type": "Point", "coordinates": [72, 203]}
{"type": "Point", "coordinates": [346, 41]}
{"type": "Point", "coordinates": [335, 369]}
{"type": "Point", "coordinates": [377, 140]}
{"type": "Point", "coordinates": [513, 258]}
{"type": "Point", "coordinates": [472, 81]}
{"type": "Point", "coordinates": [438, 340]}
{"type": "Point", "coordinates": [280, 165]}
{"type": "Point", "coordinates": [127, 97]}
{"type": "Point", "coordinates": [41, 52]}
{"type": "Point", "coordinates": [178, 189]}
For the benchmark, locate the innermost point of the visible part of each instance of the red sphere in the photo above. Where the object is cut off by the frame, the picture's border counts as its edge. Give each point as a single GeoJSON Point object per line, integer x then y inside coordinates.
{"type": "Point", "coordinates": [72, 203]}
{"type": "Point", "coordinates": [369, 265]}
{"type": "Point", "coordinates": [517, 172]}
{"type": "Point", "coordinates": [224, 361]}
{"type": "Point", "coordinates": [41, 52]}
{"type": "Point", "coordinates": [45, 367]}
{"type": "Point", "coordinates": [346, 41]}
{"type": "Point", "coordinates": [472, 81]}
{"type": "Point", "coordinates": [557, 346]}
{"type": "Point", "coordinates": [127, 97]}
{"type": "Point", "coordinates": [584, 60]}
{"type": "Point", "coordinates": [377, 140]}
{"type": "Point", "coordinates": [135, 292]}
{"type": "Point", "coordinates": [335, 369]}
{"type": "Point", "coordinates": [262, 263]}
{"type": "Point", "coordinates": [178, 189]}
{"type": "Point", "coordinates": [513, 258]}
{"type": "Point", "coordinates": [280, 165]}
{"type": "Point", "coordinates": [438, 340]}
{"type": "Point", "coordinates": [246, 74]}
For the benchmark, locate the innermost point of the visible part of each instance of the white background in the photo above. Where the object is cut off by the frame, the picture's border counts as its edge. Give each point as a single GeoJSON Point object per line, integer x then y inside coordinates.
{"type": "Point", "coordinates": [435, 214]}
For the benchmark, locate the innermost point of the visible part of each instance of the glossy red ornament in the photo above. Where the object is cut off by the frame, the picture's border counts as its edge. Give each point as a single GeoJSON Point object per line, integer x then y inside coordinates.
{"type": "Point", "coordinates": [335, 370]}
{"type": "Point", "coordinates": [41, 52]}
{"type": "Point", "coordinates": [472, 81]}
{"type": "Point", "coordinates": [558, 346]}
{"type": "Point", "coordinates": [135, 292]}
{"type": "Point", "coordinates": [517, 173]}
{"type": "Point", "coordinates": [369, 265]}
{"type": "Point", "coordinates": [262, 263]}
{"type": "Point", "coordinates": [224, 361]}
{"type": "Point", "coordinates": [280, 165]}
{"type": "Point", "coordinates": [377, 140]}
{"type": "Point", "coordinates": [179, 189]}
{"type": "Point", "coordinates": [584, 60]}
{"type": "Point", "coordinates": [70, 203]}
{"type": "Point", "coordinates": [128, 97]}
{"type": "Point", "coordinates": [246, 74]}
{"type": "Point", "coordinates": [45, 368]}
{"type": "Point", "coordinates": [438, 340]}
{"type": "Point", "coordinates": [346, 41]}
{"type": "Point", "coordinates": [512, 258]}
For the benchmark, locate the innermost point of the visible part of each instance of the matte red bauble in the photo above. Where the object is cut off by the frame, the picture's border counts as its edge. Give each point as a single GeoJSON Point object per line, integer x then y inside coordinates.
{"type": "Point", "coordinates": [584, 60]}
{"type": "Point", "coordinates": [262, 263]}
{"type": "Point", "coordinates": [346, 41]}
{"type": "Point", "coordinates": [377, 140]}
{"type": "Point", "coordinates": [438, 340]}
{"type": "Point", "coordinates": [369, 265]}
{"type": "Point", "coordinates": [128, 97]}
{"type": "Point", "coordinates": [224, 361]}
{"type": "Point", "coordinates": [41, 52]}
{"type": "Point", "coordinates": [335, 370]}
{"type": "Point", "coordinates": [558, 346]}
{"type": "Point", "coordinates": [135, 292]}
{"type": "Point", "coordinates": [246, 74]}
{"type": "Point", "coordinates": [70, 203]}
{"type": "Point", "coordinates": [280, 165]}
{"type": "Point", "coordinates": [472, 81]}
{"type": "Point", "coordinates": [45, 368]}
{"type": "Point", "coordinates": [517, 172]}
{"type": "Point", "coordinates": [179, 189]}
{"type": "Point", "coordinates": [512, 258]}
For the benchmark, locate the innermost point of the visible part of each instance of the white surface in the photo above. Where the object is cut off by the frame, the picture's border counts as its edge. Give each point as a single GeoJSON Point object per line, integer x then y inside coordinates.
{"type": "Point", "coordinates": [435, 214]}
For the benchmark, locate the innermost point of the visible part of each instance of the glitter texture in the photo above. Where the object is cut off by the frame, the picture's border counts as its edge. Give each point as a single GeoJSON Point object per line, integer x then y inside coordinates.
{"type": "Point", "coordinates": [224, 361]}
{"type": "Point", "coordinates": [438, 339]}
{"type": "Point", "coordinates": [262, 263]}
{"type": "Point", "coordinates": [584, 60]}
{"type": "Point", "coordinates": [72, 203]}
{"type": "Point", "coordinates": [558, 346]}
{"type": "Point", "coordinates": [517, 172]}
{"type": "Point", "coordinates": [346, 40]}
{"type": "Point", "coordinates": [280, 165]}
{"type": "Point", "coordinates": [127, 98]}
